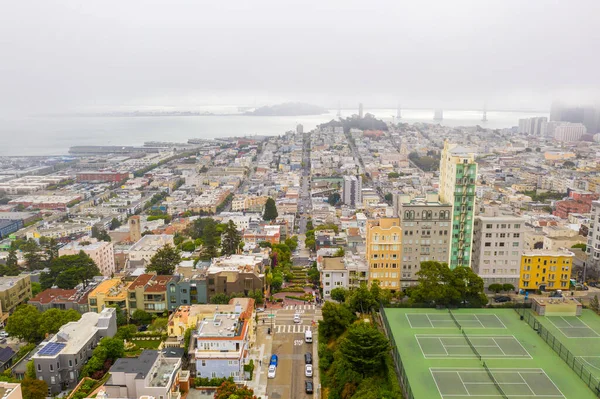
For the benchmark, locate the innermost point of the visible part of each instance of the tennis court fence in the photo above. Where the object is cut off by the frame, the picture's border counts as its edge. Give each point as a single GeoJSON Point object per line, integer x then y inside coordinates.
{"type": "Point", "coordinates": [398, 365]}
{"type": "Point", "coordinates": [572, 361]}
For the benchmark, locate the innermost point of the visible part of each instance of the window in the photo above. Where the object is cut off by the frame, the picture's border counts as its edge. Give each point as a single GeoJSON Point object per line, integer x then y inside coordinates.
{"type": "Point", "coordinates": [488, 226]}
{"type": "Point", "coordinates": [488, 244]}
{"type": "Point", "coordinates": [515, 244]}
{"type": "Point", "coordinates": [488, 235]}
{"type": "Point", "coordinates": [516, 235]}
{"type": "Point", "coordinates": [39, 367]}
{"type": "Point", "coordinates": [51, 367]}
{"type": "Point", "coordinates": [70, 363]}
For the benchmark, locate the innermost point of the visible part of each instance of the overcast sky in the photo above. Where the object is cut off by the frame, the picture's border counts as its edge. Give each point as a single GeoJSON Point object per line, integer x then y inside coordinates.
{"type": "Point", "coordinates": [68, 55]}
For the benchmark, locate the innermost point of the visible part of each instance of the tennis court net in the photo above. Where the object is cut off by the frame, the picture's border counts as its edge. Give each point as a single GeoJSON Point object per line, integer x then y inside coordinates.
{"type": "Point", "coordinates": [498, 387]}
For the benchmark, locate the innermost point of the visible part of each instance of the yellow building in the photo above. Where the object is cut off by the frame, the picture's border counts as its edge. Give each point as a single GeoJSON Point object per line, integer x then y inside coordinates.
{"type": "Point", "coordinates": [550, 269]}
{"type": "Point", "coordinates": [384, 252]}
{"type": "Point", "coordinates": [107, 293]}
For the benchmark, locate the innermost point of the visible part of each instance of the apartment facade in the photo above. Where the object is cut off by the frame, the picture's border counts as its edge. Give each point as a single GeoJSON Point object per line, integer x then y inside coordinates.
{"type": "Point", "coordinates": [148, 246]}
{"type": "Point", "coordinates": [58, 298]}
{"type": "Point", "coordinates": [148, 292]}
{"type": "Point", "coordinates": [426, 234]}
{"type": "Point", "coordinates": [352, 191]}
{"type": "Point", "coordinates": [109, 293]}
{"type": "Point", "coordinates": [497, 246]}
{"type": "Point", "coordinates": [333, 275]}
{"type": "Point", "coordinates": [101, 252]}
{"type": "Point", "coordinates": [593, 243]}
{"type": "Point", "coordinates": [14, 291]}
{"type": "Point", "coordinates": [384, 252]}
{"type": "Point", "coordinates": [235, 274]}
{"type": "Point", "coordinates": [550, 270]}
{"type": "Point", "coordinates": [458, 174]}
{"type": "Point", "coordinates": [60, 360]}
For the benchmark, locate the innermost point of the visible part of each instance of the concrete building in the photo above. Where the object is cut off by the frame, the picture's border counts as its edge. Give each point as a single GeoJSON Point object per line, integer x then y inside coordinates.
{"type": "Point", "coordinates": [153, 374]}
{"type": "Point", "coordinates": [10, 390]}
{"type": "Point", "coordinates": [58, 298]}
{"type": "Point", "coordinates": [101, 252]}
{"type": "Point", "coordinates": [235, 274]}
{"type": "Point", "coordinates": [60, 360]}
{"type": "Point", "coordinates": [148, 292]}
{"type": "Point", "coordinates": [135, 228]}
{"type": "Point", "coordinates": [533, 126]}
{"type": "Point", "coordinates": [458, 173]}
{"type": "Point", "coordinates": [426, 233]}
{"type": "Point", "coordinates": [148, 246]}
{"type": "Point", "coordinates": [548, 270]}
{"type": "Point", "coordinates": [333, 275]}
{"type": "Point", "coordinates": [14, 291]}
{"type": "Point", "coordinates": [593, 242]}
{"type": "Point", "coordinates": [384, 252]}
{"type": "Point", "coordinates": [8, 227]}
{"type": "Point", "coordinates": [108, 293]}
{"type": "Point", "coordinates": [222, 341]}
{"type": "Point", "coordinates": [569, 132]}
{"type": "Point", "coordinates": [497, 246]}
{"type": "Point", "coordinates": [101, 177]}
{"type": "Point", "coordinates": [352, 191]}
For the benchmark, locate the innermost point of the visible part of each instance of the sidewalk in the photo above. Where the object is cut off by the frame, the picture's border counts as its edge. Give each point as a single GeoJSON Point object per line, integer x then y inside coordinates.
{"type": "Point", "coordinates": [260, 352]}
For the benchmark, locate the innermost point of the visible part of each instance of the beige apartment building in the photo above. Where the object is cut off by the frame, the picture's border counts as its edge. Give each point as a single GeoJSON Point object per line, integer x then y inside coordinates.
{"type": "Point", "coordinates": [384, 252]}
{"type": "Point", "coordinates": [14, 291]}
{"type": "Point", "coordinates": [426, 233]}
{"type": "Point", "coordinates": [101, 252]}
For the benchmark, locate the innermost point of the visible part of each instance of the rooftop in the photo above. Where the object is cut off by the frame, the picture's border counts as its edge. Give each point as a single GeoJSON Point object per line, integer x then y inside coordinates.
{"type": "Point", "coordinates": [113, 288]}
{"type": "Point", "coordinates": [151, 283]}
{"type": "Point", "coordinates": [76, 246]}
{"type": "Point", "coordinates": [6, 282]}
{"type": "Point", "coordinates": [52, 295]}
{"type": "Point", "coordinates": [334, 264]}
{"type": "Point", "coordinates": [152, 242]}
{"type": "Point", "coordinates": [221, 326]}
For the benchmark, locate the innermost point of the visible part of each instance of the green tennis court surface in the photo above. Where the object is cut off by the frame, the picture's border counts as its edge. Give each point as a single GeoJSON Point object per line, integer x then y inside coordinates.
{"type": "Point", "coordinates": [456, 346]}
{"type": "Point", "coordinates": [440, 356]}
{"type": "Point", "coordinates": [444, 320]}
{"type": "Point", "coordinates": [469, 383]}
{"type": "Point", "coordinates": [572, 327]}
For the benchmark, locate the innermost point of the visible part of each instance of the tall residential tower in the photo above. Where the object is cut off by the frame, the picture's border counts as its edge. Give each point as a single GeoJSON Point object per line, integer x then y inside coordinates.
{"type": "Point", "coordinates": [458, 173]}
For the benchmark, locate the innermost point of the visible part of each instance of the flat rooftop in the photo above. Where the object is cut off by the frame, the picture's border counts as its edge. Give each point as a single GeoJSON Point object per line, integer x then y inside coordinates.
{"type": "Point", "coordinates": [7, 282]}
{"type": "Point", "coordinates": [221, 326]}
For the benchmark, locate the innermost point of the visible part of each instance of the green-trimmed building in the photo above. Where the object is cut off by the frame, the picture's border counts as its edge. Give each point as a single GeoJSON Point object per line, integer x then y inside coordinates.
{"type": "Point", "coordinates": [458, 174]}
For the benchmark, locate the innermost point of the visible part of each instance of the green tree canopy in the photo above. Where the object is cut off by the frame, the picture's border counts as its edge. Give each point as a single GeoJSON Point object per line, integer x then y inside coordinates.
{"type": "Point", "coordinates": [140, 316]}
{"type": "Point", "coordinates": [230, 390]}
{"type": "Point", "coordinates": [333, 199]}
{"type": "Point", "coordinates": [165, 261]}
{"type": "Point", "coordinates": [29, 324]}
{"type": "Point", "coordinates": [33, 255]}
{"type": "Point", "coordinates": [270, 212]}
{"type": "Point", "coordinates": [336, 318]}
{"type": "Point", "coordinates": [361, 300]}
{"type": "Point", "coordinates": [364, 348]}
{"type": "Point", "coordinates": [220, 299]}
{"type": "Point", "coordinates": [339, 294]}
{"type": "Point", "coordinates": [34, 388]}
{"type": "Point", "coordinates": [11, 268]}
{"type": "Point", "coordinates": [495, 287]}
{"type": "Point", "coordinates": [231, 239]}
{"type": "Point", "coordinates": [69, 270]}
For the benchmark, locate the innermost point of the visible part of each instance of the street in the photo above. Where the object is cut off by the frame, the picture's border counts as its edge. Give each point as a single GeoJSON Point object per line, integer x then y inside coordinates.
{"type": "Point", "coordinates": [289, 346]}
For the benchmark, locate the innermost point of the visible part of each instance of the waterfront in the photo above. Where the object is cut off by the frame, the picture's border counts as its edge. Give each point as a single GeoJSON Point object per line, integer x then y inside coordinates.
{"type": "Point", "coordinates": [54, 135]}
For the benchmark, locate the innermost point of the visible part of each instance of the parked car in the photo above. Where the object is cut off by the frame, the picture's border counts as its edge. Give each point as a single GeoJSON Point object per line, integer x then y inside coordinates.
{"type": "Point", "coordinates": [308, 386]}
{"type": "Point", "coordinates": [502, 299]}
{"type": "Point", "coordinates": [308, 358]}
{"type": "Point", "coordinates": [272, 371]}
{"type": "Point", "coordinates": [3, 334]}
{"type": "Point", "coordinates": [297, 318]}
{"type": "Point", "coordinates": [143, 328]}
{"type": "Point", "coordinates": [273, 361]}
{"type": "Point", "coordinates": [259, 310]}
{"type": "Point", "coordinates": [308, 371]}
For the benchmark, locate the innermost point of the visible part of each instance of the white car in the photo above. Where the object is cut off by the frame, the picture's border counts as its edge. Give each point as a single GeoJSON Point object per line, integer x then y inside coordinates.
{"type": "Point", "coordinates": [297, 318]}
{"type": "Point", "coordinates": [3, 334]}
{"type": "Point", "coordinates": [308, 370]}
{"type": "Point", "coordinates": [271, 372]}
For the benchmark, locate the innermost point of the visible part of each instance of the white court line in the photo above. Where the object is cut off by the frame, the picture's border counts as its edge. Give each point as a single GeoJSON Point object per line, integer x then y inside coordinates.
{"type": "Point", "coordinates": [463, 383]}
{"type": "Point", "coordinates": [436, 384]}
{"type": "Point", "coordinates": [420, 347]}
{"type": "Point", "coordinates": [443, 346]}
{"type": "Point", "coordinates": [563, 333]}
{"type": "Point", "coordinates": [526, 383]}
{"type": "Point", "coordinates": [581, 321]}
{"type": "Point", "coordinates": [408, 319]}
{"type": "Point", "coordinates": [557, 327]}
{"type": "Point", "coordinates": [499, 347]}
{"type": "Point", "coordinates": [567, 321]}
{"type": "Point", "coordinates": [430, 321]}
{"type": "Point", "coordinates": [550, 379]}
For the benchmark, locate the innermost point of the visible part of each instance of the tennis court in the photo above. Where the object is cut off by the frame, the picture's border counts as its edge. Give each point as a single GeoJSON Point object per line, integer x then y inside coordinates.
{"type": "Point", "coordinates": [448, 346]}
{"type": "Point", "coordinates": [444, 320]}
{"type": "Point", "coordinates": [473, 383]}
{"type": "Point", "coordinates": [591, 362]}
{"type": "Point", "coordinates": [572, 327]}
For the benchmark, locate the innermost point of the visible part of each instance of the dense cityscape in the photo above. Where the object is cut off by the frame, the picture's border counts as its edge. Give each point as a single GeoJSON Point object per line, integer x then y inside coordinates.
{"type": "Point", "coordinates": [263, 265]}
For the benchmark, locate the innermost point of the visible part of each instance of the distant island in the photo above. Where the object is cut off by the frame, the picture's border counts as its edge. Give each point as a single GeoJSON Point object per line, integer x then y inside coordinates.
{"type": "Point", "coordinates": [369, 122]}
{"type": "Point", "coordinates": [288, 109]}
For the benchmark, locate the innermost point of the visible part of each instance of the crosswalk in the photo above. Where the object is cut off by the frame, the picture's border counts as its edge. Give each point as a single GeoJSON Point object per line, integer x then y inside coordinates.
{"type": "Point", "coordinates": [292, 329]}
{"type": "Point", "coordinates": [300, 307]}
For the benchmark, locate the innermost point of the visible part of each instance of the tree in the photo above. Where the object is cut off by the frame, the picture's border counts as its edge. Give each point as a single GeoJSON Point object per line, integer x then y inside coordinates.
{"type": "Point", "coordinates": [209, 240]}
{"type": "Point", "coordinates": [469, 286]}
{"type": "Point", "coordinates": [361, 300]}
{"type": "Point", "coordinates": [100, 234]}
{"type": "Point", "coordinates": [581, 246]}
{"type": "Point", "coordinates": [339, 294]}
{"type": "Point", "coordinates": [270, 212]}
{"type": "Point", "coordinates": [595, 304]}
{"type": "Point", "coordinates": [159, 324]}
{"type": "Point", "coordinates": [229, 390]}
{"type": "Point", "coordinates": [277, 282]}
{"type": "Point", "coordinates": [115, 224]}
{"type": "Point", "coordinates": [496, 288]}
{"type": "Point", "coordinates": [432, 288]}
{"type": "Point", "coordinates": [507, 287]}
{"type": "Point", "coordinates": [69, 270]}
{"type": "Point", "coordinates": [126, 332]}
{"type": "Point", "coordinates": [393, 175]}
{"type": "Point", "coordinates": [314, 276]}
{"type": "Point", "coordinates": [140, 316]}
{"type": "Point", "coordinates": [164, 261]}
{"type": "Point", "coordinates": [528, 149]}
{"type": "Point", "coordinates": [231, 239]}
{"type": "Point", "coordinates": [51, 250]}
{"type": "Point", "coordinates": [389, 197]}
{"type": "Point", "coordinates": [36, 288]}
{"type": "Point", "coordinates": [336, 318]}
{"type": "Point", "coordinates": [333, 199]}
{"type": "Point", "coordinates": [121, 318]}
{"type": "Point", "coordinates": [339, 253]}
{"type": "Point", "coordinates": [24, 323]}
{"type": "Point", "coordinates": [31, 253]}
{"type": "Point", "coordinates": [364, 348]}
{"type": "Point", "coordinates": [257, 295]}
{"type": "Point", "coordinates": [11, 268]}
{"type": "Point", "coordinates": [33, 388]}
{"type": "Point", "coordinates": [53, 319]}
{"type": "Point", "coordinates": [292, 243]}
{"type": "Point", "coordinates": [220, 299]}
{"type": "Point", "coordinates": [569, 164]}
{"type": "Point", "coordinates": [309, 225]}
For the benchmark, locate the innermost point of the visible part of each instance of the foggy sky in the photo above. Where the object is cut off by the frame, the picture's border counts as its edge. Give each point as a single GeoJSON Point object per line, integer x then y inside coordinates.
{"type": "Point", "coordinates": [71, 55]}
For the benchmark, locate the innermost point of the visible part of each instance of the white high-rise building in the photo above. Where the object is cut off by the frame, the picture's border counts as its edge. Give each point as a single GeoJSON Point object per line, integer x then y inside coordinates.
{"type": "Point", "coordinates": [593, 244]}
{"type": "Point", "coordinates": [568, 132]}
{"type": "Point", "coordinates": [497, 245]}
{"type": "Point", "coordinates": [352, 190]}
{"type": "Point", "coordinates": [533, 126]}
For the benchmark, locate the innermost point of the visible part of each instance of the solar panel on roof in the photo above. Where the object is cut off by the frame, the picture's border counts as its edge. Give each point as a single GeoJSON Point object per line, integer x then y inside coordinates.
{"type": "Point", "coordinates": [51, 349]}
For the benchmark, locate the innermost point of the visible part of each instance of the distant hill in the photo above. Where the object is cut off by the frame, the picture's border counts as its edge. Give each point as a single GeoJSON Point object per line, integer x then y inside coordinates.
{"type": "Point", "coordinates": [369, 122]}
{"type": "Point", "coordinates": [288, 109]}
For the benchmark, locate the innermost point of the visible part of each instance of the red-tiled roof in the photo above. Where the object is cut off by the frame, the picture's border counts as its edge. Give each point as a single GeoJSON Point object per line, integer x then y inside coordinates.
{"type": "Point", "coordinates": [141, 281]}
{"type": "Point", "coordinates": [151, 283]}
{"type": "Point", "coordinates": [52, 294]}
